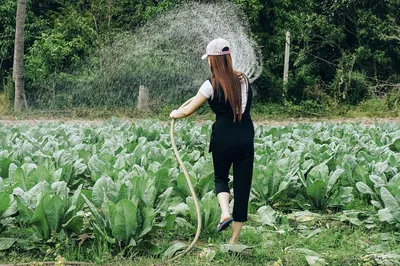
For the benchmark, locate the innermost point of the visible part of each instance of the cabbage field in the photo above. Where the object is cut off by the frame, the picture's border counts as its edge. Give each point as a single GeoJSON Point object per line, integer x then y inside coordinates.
{"type": "Point", "coordinates": [113, 192]}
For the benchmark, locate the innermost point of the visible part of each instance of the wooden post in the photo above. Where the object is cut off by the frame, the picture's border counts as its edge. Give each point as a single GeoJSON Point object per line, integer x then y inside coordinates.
{"type": "Point", "coordinates": [143, 99]}
{"type": "Point", "coordinates": [286, 66]}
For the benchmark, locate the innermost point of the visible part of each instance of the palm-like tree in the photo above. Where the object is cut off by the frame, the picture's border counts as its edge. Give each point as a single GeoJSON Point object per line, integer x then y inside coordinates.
{"type": "Point", "coordinates": [18, 66]}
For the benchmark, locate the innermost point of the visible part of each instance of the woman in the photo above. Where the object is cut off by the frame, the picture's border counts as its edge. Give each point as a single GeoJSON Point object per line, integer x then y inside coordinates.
{"type": "Point", "coordinates": [232, 139]}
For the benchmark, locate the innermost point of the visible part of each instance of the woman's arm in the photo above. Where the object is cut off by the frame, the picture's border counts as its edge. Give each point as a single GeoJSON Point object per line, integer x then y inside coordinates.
{"type": "Point", "coordinates": [198, 100]}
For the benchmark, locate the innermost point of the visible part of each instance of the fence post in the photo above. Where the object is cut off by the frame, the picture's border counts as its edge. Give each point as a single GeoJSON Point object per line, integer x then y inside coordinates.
{"type": "Point", "coordinates": [143, 99]}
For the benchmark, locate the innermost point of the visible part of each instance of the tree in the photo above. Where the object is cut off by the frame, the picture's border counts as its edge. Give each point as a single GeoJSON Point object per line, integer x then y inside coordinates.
{"type": "Point", "coordinates": [18, 66]}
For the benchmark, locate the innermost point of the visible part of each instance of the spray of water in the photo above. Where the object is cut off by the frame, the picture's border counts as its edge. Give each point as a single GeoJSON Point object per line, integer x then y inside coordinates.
{"type": "Point", "coordinates": [165, 56]}
{"type": "Point", "coordinates": [188, 29]}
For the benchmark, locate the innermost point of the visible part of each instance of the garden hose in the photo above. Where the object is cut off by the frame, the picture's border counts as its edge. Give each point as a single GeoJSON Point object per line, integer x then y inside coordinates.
{"type": "Point", "coordinates": [196, 202]}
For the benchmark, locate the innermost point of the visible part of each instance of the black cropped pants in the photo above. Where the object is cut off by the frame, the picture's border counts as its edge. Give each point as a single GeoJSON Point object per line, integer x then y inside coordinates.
{"type": "Point", "coordinates": [233, 144]}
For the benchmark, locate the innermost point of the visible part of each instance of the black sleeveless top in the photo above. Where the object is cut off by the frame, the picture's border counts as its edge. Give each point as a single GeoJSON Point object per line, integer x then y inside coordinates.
{"type": "Point", "coordinates": [224, 124]}
{"type": "Point", "coordinates": [223, 110]}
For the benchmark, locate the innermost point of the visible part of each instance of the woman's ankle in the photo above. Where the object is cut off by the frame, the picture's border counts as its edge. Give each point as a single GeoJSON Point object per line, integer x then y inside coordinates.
{"type": "Point", "coordinates": [225, 216]}
{"type": "Point", "coordinates": [233, 241]}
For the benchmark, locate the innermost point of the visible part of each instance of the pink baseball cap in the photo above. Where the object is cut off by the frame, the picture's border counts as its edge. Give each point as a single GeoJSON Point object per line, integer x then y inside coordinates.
{"type": "Point", "coordinates": [216, 47]}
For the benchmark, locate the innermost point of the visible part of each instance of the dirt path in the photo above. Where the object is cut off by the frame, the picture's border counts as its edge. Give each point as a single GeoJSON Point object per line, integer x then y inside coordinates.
{"type": "Point", "coordinates": [41, 121]}
{"type": "Point", "coordinates": [366, 121]}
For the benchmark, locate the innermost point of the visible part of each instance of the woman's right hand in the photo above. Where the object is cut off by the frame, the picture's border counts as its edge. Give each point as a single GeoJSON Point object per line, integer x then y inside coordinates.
{"type": "Point", "coordinates": [174, 114]}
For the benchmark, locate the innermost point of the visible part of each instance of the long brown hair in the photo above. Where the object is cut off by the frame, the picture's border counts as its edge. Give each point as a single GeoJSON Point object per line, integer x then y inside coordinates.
{"type": "Point", "coordinates": [226, 78]}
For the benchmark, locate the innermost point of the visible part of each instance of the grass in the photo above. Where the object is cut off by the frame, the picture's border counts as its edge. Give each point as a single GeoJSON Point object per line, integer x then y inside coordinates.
{"type": "Point", "coordinates": [336, 242]}
{"type": "Point", "coordinates": [373, 108]}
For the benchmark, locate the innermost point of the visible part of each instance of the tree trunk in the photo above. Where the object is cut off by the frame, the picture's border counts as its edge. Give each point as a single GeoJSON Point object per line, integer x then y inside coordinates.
{"type": "Point", "coordinates": [18, 65]}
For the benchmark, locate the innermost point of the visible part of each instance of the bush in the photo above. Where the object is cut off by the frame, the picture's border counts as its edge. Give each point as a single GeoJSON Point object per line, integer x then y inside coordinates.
{"type": "Point", "coordinates": [273, 110]}
{"type": "Point", "coordinates": [373, 105]}
{"type": "Point", "coordinates": [301, 79]}
{"type": "Point", "coordinates": [358, 89]}
{"type": "Point", "coordinates": [8, 94]}
{"type": "Point", "coordinates": [350, 88]}
{"type": "Point", "coordinates": [308, 108]}
{"type": "Point", "coordinates": [7, 97]}
{"type": "Point", "coordinates": [268, 87]}
{"type": "Point", "coordinates": [4, 104]}
{"type": "Point", "coordinates": [318, 94]}
{"type": "Point", "coordinates": [392, 98]}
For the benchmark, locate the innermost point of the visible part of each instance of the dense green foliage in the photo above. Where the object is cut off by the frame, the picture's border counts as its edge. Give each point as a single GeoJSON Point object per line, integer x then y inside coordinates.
{"type": "Point", "coordinates": [121, 185]}
{"type": "Point", "coordinates": [342, 51]}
